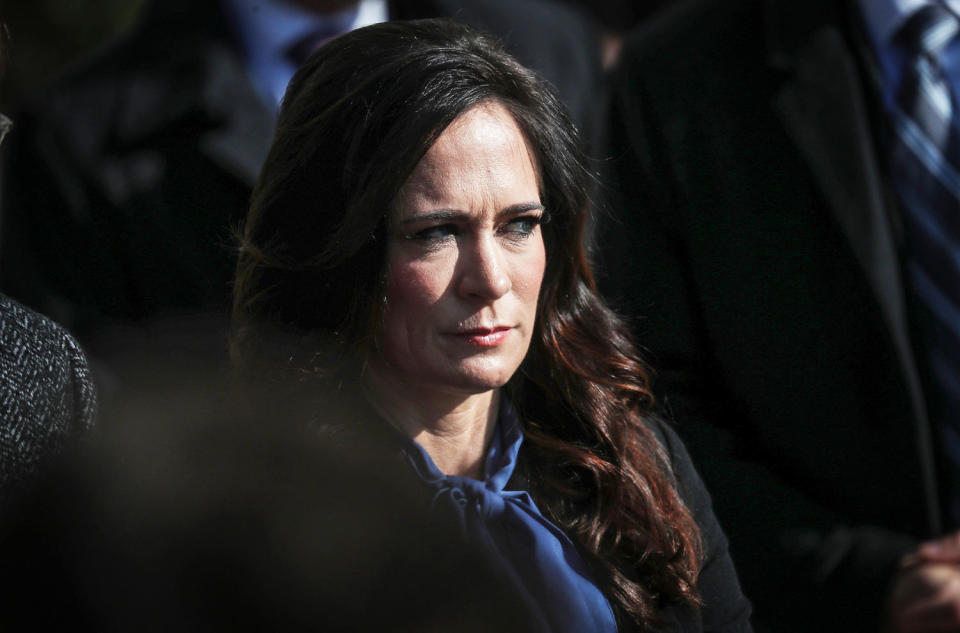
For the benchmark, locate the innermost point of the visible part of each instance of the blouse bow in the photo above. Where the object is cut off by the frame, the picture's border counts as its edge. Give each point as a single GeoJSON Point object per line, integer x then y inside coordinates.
{"type": "Point", "coordinates": [536, 556]}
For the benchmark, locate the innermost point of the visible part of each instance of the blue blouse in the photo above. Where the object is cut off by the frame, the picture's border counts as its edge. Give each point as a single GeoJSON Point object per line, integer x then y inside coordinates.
{"type": "Point", "coordinates": [533, 554]}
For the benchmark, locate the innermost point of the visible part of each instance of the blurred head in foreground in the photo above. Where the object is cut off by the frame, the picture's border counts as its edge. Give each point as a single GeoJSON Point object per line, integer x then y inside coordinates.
{"type": "Point", "coordinates": [192, 515]}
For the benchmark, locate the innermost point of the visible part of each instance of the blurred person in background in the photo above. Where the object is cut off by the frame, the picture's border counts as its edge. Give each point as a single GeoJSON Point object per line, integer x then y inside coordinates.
{"type": "Point", "coordinates": [791, 261]}
{"type": "Point", "coordinates": [617, 18]}
{"type": "Point", "coordinates": [413, 259]}
{"type": "Point", "coordinates": [127, 175]}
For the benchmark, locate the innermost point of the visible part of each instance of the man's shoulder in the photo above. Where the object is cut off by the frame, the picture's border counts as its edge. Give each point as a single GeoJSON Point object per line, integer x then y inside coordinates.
{"type": "Point", "coordinates": [695, 37]}
{"type": "Point", "coordinates": [548, 36]}
{"type": "Point", "coordinates": [521, 15]}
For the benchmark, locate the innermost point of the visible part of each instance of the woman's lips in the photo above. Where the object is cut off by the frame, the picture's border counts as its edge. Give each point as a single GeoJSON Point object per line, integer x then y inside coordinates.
{"type": "Point", "coordinates": [483, 337]}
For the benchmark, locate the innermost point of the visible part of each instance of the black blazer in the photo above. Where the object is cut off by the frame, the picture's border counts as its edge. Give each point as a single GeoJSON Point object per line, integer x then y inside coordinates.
{"type": "Point", "coordinates": [127, 176]}
{"type": "Point", "coordinates": [756, 247]}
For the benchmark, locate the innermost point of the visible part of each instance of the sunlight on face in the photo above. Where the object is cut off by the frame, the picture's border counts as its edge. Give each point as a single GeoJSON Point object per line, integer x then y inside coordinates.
{"type": "Point", "coordinates": [466, 259]}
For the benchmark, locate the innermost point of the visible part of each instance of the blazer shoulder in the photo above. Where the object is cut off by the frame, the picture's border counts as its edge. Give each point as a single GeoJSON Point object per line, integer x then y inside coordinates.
{"type": "Point", "coordinates": [47, 395]}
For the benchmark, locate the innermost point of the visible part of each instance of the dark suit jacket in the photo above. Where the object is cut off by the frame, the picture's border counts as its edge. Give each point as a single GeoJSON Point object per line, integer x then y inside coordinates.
{"type": "Point", "coordinates": [756, 246]}
{"type": "Point", "coordinates": [46, 394]}
{"type": "Point", "coordinates": [126, 178]}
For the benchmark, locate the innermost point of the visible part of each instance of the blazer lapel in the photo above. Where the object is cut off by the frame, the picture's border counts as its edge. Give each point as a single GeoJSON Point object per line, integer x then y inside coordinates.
{"type": "Point", "coordinates": [824, 111]}
{"type": "Point", "coordinates": [823, 105]}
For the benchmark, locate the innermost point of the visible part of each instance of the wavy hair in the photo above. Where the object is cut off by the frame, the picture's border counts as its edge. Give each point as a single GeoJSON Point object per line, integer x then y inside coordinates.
{"type": "Point", "coordinates": [356, 119]}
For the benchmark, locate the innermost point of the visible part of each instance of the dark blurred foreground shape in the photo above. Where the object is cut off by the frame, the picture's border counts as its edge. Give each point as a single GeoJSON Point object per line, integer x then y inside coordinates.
{"type": "Point", "coordinates": [759, 248]}
{"type": "Point", "coordinates": [125, 178]}
{"type": "Point", "coordinates": [187, 515]}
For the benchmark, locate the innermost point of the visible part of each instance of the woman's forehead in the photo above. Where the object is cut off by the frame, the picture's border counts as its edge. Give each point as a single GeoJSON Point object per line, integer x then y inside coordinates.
{"type": "Point", "coordinates": [483, 148]}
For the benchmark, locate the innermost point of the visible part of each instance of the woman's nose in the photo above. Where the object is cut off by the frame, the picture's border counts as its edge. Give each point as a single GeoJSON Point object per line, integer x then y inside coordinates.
{"type": "Point", "coordinates": [484, 272]}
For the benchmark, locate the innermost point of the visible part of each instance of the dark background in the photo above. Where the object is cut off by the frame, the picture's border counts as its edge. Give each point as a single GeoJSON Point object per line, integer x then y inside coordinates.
{"type": "Point", "coordinates": [47, 35]}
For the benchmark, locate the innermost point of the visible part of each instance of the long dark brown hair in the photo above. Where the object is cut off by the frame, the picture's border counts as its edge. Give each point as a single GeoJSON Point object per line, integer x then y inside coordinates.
{"type": "Point", "coordinates": [355, 121]}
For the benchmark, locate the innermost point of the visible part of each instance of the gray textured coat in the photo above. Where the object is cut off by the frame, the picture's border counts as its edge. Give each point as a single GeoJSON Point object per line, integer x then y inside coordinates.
{"type": "Point", "coordinates": [46, 392]}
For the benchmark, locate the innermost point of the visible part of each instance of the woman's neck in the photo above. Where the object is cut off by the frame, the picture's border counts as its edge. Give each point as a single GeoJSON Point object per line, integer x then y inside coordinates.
{"type": "Point", "coordinates": [455, 429]}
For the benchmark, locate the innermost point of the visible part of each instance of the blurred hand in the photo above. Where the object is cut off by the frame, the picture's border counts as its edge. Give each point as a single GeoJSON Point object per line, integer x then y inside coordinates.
{"type": "Point", "coordinates": [925, 596]}
{"type": "Point", "coordinates": [942, 550]}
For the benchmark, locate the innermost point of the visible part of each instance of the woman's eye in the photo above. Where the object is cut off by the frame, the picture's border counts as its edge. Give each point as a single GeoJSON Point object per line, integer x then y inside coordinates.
{"type": "Point", "coordinates": [522, 226]}
{"type": "Point", "coordinates": [434, 233]}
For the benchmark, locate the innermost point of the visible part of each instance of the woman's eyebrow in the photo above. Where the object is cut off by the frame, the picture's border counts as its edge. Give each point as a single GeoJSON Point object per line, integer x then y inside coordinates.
{"type": "Point", "coordinates": [521, 207]}
{"type": "Point", "coordinates": [436, 215]}
{"type": "Point", "coordinates": [448, 215]}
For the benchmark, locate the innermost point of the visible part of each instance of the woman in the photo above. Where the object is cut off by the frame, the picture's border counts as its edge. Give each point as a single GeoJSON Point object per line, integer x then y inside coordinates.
{"type": "Point", "coordinates": [417, 230]}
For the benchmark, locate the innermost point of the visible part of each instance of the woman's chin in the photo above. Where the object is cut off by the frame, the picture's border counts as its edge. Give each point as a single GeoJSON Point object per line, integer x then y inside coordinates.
{"type": "Point", "coordinates": [460, 378]}
{"type": "Point", "coordinates": [485, 378]}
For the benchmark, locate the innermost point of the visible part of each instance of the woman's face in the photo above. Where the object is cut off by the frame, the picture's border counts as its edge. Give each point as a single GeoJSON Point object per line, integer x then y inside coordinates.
{"type": "Point", "coordinates": [465, 259]}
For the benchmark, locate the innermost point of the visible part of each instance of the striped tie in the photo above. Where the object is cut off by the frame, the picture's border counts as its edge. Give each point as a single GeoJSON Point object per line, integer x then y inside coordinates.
{"type": "Point", "coordinates": [925, 169]}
